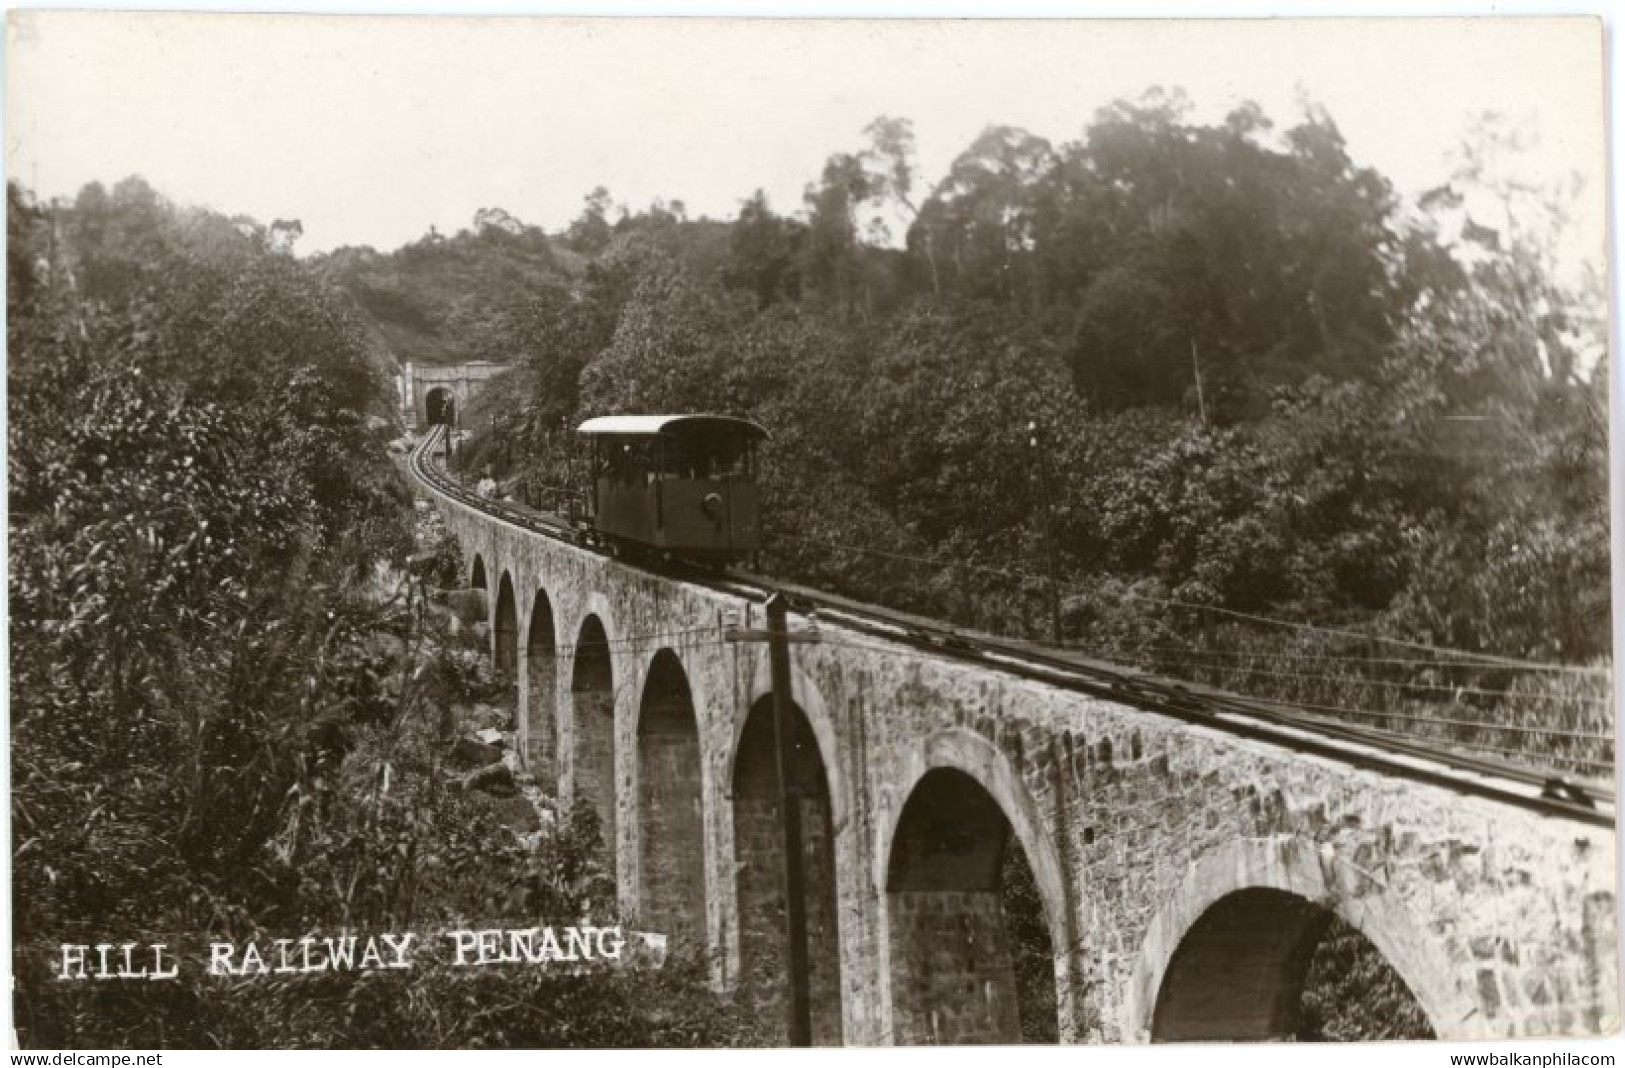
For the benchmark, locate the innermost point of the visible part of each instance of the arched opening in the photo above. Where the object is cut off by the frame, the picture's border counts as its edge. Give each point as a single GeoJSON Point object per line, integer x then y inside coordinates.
{"type": "Point", "coordinates": [541, 691]}
{"type": "Point", "coordinates": [592, 702]}
{"type": "Point", "coordinates": [507, 627]}
{"type": "Point", "coordinates": [759, 854]}
{"type": "Point", "coordinates": [476, 580]}
{"type": "Point", "coordinates": [440, 405]}
{"type": "Point", "coordinates": [971, 955]}
{"type": "Point", "coordinates": [670, 816]}
{"type": "Point", "coordinates": [1264, 964]}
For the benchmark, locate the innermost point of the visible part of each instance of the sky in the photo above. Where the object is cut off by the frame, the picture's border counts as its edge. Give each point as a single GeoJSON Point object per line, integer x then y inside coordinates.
{"type": "Point", "coordinates": [369, 129]}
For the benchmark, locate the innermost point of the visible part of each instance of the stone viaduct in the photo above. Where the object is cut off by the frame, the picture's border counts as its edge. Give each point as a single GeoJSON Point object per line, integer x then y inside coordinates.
{"type": "Point", "coordinates": [1182, 874]}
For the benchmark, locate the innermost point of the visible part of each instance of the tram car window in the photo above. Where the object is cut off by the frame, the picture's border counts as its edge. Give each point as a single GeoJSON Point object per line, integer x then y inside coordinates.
{"type": "Point", "coordinates": [682, 484]}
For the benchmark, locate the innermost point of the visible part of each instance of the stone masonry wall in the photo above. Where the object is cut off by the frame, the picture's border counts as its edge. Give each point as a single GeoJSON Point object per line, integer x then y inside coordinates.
{"type": "Point", "coordinates": [759, 847]}
{"type": "Point", "coordinates": [592, 724]}
{"type": "Point", "coordinates": [540, 693]}
{"type": "Point", "coordinates": [952, 980]}
{"type": "Point", "coordinates": [672, 893]}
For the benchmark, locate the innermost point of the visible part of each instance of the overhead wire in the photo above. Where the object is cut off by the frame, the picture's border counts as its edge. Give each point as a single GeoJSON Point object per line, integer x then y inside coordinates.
{"type": "Point", "coordinates": [1522, 754]}
{"type": "Point", "coordinates": [1483, 658]}
{"type": "Point", "coordinates": [1398, 661]}
{"type": "Point", "coordinates": [904, 650]}
{"type": "Point", "coordinates": [1391, 684]}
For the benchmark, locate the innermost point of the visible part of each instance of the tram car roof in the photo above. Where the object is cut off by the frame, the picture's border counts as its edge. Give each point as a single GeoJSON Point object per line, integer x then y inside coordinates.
{"type": "Point", "coordinates": [650, 425]}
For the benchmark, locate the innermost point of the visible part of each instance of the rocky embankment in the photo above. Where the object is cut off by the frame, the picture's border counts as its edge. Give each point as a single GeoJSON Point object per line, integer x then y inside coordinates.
{"type": "Point", "coordinates": [479, 713]}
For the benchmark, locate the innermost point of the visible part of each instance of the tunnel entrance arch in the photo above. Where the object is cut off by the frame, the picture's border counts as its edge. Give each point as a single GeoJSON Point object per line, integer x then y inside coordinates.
{"type": "Point", "coordinates": [759, 863]}
{"type": "Point", "coordinates": [440, 405]}
{"type": "Point", "coordinates": [592, 710]}
{"type": "Point", "coordinates": [972, 959]}
{"type": "Point", "coordinates": [671, 840]}
{"type": "Point", "coordinates": [541, 692]}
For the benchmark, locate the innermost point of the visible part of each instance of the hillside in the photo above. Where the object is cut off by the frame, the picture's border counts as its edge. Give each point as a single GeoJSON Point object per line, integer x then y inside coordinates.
{"type": "Point", "coordinates": [433, 301]}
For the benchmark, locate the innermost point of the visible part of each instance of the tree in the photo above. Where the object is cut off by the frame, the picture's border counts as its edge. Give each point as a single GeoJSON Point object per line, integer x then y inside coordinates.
{"type": "Point", "coordinates": [984, 215]}
{"type": "Point", "coordinates": [668, 351]}
{"type": "Point", "coordinates": [762, 253]}
{"type": "Point", "coordinates": [591, 230]}
{"type": "Point", "coordinates": [497, 219]}
{"type": "Point", "coordinates": [221, 719]}
{"type": "Point", "coordinates": [830, 254]}
{"type": "Point", "coordinates": [284, 232]}
{"type": "Point", "coordinates": [891, 155]}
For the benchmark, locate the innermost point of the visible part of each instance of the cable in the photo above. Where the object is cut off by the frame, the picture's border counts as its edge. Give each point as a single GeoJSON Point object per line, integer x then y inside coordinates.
{"type": "Point", "coordinates": [1485, 658]}
{"type": "Point", "coordinates": [1473, 724]}
{"type": "Point", "coordinates": [904, 650]}
{"type": "Point", "coordinates": [905, 557]}
{"type": "Point", "coordinates": [1338, 710]}
{"type": "Point", "coordinates": [1521, 753]}
{"type": "Point", "coordinates": [1335, 659]}
{"type": "Point", "coordinates": [1389, 684]}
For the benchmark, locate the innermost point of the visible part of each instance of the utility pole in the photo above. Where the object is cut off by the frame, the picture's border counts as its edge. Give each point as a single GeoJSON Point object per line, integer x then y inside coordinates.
{"type": "Point", "coordinates": [1046, 494]}
{"type": "Point", "coordinates": [793, 877]}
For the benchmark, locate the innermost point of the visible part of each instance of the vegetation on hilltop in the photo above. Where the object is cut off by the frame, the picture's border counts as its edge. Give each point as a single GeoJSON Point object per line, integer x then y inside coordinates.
{"type": "Point", "coordinates": [1262, 382]}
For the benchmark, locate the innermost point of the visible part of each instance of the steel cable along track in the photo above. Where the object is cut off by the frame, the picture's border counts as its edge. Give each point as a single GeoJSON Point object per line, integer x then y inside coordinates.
{"type": "Point", "coordinates": [1587, 801]}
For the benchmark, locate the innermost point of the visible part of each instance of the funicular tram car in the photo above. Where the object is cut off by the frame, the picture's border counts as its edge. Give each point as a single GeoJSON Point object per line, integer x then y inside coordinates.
{"type": "Point", "coordinates": [684, 485]}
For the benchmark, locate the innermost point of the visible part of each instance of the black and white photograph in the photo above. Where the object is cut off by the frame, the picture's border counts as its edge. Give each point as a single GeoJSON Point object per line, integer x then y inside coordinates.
{"type": "Point", "coordinates": [541, 532]}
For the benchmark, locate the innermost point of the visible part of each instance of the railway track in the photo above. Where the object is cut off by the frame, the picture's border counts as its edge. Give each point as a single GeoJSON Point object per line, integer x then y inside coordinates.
{"type": "Point", "coordinates": [1569, 797]}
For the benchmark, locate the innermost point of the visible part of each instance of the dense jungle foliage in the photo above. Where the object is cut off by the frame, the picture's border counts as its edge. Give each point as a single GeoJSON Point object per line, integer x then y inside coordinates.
{"type": "Point", "coordinates": [1219, 369]}
{"type": "Point", "coordinates": [1252, 400]}
{"type": "Point", "coordinates": [229, 715]}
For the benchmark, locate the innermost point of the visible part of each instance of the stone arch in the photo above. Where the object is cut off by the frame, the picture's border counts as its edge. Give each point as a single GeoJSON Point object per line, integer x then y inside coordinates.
{"type": "Point", "coordinates": [476, 578]}
{"type": "Point", "coordinates": [671, 839]}
{"type": "Point", "coordinates": [759, 867]}
{"type": "Point", "coordinates": [592, 726]}
{"type": "Point", "coordinates": [810, 703]}
{"type": "Point", "coordinates": [505, 627]}
{"type": "Point", "coordinates": [440, 405]}
{"type": "Point", "coordinates": [950, 949]}
{"type": "Point", "coordinates": [1225, 956]}
{"type": "Point", "coordinates": [540, 686]}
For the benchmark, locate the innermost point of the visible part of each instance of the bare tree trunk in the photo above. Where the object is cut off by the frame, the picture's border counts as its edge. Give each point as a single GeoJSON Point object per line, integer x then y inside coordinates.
{"type": "Point", "coordinates": [1196, 367]}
